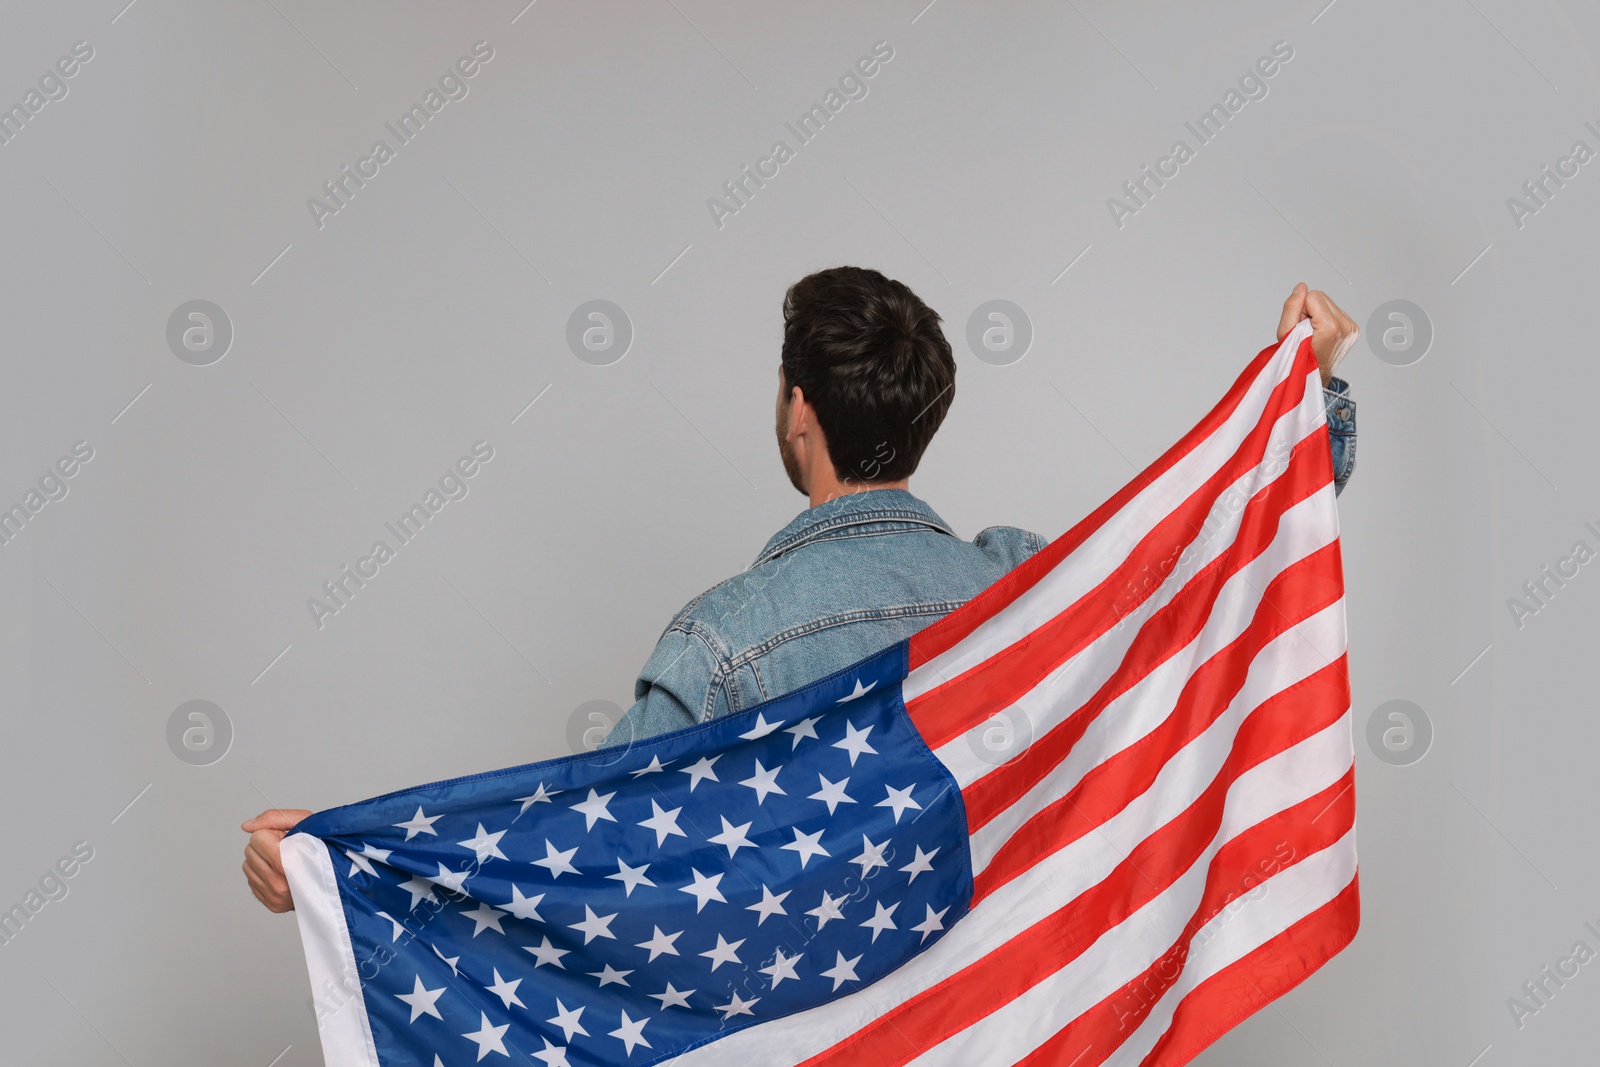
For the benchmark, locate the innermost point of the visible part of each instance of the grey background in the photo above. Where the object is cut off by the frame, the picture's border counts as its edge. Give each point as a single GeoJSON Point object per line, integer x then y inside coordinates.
{"type": "Point", "coordinates": [428, 313]}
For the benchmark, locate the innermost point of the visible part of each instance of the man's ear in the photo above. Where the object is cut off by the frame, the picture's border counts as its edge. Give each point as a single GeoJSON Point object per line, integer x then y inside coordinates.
{"type": "Point", "coordinates": [798, 411]}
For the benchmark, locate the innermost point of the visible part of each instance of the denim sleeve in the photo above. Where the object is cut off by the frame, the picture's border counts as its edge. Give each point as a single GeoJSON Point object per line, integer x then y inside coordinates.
{"type": "Point", "coordinates": [1341, 430]}
{"type": "Point", "coordinates": [673, 690]}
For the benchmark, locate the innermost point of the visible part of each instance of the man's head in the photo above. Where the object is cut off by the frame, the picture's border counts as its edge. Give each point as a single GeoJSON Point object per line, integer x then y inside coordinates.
{"type": "Point", "coordinates": [866, 378]}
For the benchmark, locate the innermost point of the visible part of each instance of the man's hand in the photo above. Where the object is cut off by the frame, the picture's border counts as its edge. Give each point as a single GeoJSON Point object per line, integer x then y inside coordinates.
{"type": "Point", "coordinates": [1332, 331]}
{"type": "Point", "coordinates": [263, 864]}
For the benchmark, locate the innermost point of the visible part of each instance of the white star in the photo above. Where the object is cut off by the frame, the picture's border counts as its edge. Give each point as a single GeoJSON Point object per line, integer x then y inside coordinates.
{"type": "Point", "coordinates": [871, 855]}
{"type": "Point", "coordinates": [419, 824]}
{"type": "Point", "coordinates": [399, 927]}
{"type": "Point", "coordinates": [631, 1032]}
{"type": "Point", "coordinates": [485, 845]}
{"type": "Point", "coordinates": [770, 905]}
{"type": "Point", "coordinates": [448, 879]}
{"type": "Point", "coordinates": [540, 796]}
{"type": "Point", "coordinates": [553, 1055]}
{"type": "Point", "coordinates": [655, 767]}
{"type": "Point", "coordinates": [420, 889]}
{"type": "Point", "coordinates": [735, 1006]}
{"type": "Point", "coordinates": [524, 907]}
{"type": "Point", "coordinates": [594, 926]}
{"type": "Point", "coordinates": [733, 837]}
{"type": "Point", "coordinates": [843, 971]}
{"type": "Point", "coordinates": [664, 823]}
{"type": "Point", "coordinates": [828, 909]}
{"type": "Point", "coordinates": [423, 1001]}
{"type": "Point", "coordinates": [724, 952]}
{"type": "Point", "coordinates": [557, 862]}
{"type": "Point", "coordinates": [855, 742]}
{"type": "Point", "coordinates": [701, 768]}
{"type": "Point", "coordinates": [660, 943]}
{"type": "Point", "coordinates": [764, 782]}
{"type": "Point", "coordinates": [859, 691]}
{"type": "Point", "coordinates": [568, 1021]}
{"type": "Point", "coordinates": [483, 917]}
{"type": "Point", "coordinates": [782, 967]}
{"type": "Point", "coordinates": [882, 919]}
{"type": "Point", "coordinates": [832, 793]}
{"type": "Point", "coordinates": [506, 991]}
{"type": "Point", "coordinates": [806, 845]}
{"type": "Point", "coordinates": [931, 924]}
{"type": "Point", "coordinates": [594, 809]}
{"type": "Point", "coordinates": [450, 960]}
{"type": "Point", "coordinates": [899, 800]}
{"type": "Point", "coordinates": [673, 998]}
{"type": "Point", "coordinates": [919, 864]}
{"type": "Point", "coordinates": [610, 976]}
{"type": "Point", "coordinates": [547, 953]}
{"type": "Point", "coordinates": [761, 729]}
{"type": "Point", "coordinates": [360, 861]}
{"type": "Point", "coordinates": [631, 876]}
{"type": "Point", "coordinates": [703, 889]}
{"type": "Point", "coordinates": [803, 729]}
{"type": "Point", "coordinates": [489, 1038]}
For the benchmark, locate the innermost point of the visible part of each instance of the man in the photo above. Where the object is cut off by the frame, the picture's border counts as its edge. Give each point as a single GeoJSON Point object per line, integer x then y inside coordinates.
{"type": "Point", "coordinates": [866, 377]}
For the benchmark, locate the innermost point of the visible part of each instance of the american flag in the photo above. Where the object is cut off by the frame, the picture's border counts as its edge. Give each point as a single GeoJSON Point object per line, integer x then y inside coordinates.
{"type": "Point", "coordinates": [1099, 815]}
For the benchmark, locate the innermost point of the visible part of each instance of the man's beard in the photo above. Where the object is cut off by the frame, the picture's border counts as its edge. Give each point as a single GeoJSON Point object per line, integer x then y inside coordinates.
{"type": "Point", "coordinates": [791, 466]}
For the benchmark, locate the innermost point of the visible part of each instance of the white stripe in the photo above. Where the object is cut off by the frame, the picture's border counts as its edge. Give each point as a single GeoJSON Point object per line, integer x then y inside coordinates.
{"type": "Point", "coordinates": [1303, 529]}
{"type": "Point", "coordinates": [1290, 896]}
{"type": "Point", "coordinates": [1280, 782]}
{"type": "Point", "coordinates": [1110, 544]}
{"type": "Point", "coordinates": [335, 983]}
{"type": "Point", "coordinates": [1295, 654]}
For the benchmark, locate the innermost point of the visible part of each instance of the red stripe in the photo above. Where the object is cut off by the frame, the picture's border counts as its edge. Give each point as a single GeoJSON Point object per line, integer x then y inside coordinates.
{"type": "Point", "coordinates": [1246, 986]}
{"type": "Point", "coordinates": [944, 634]}
{"type": "Point", "coordinates": [950, 709]}
{"type": "Point", "coordinates": [1238, 869]}
{"type": "Point", "coordinates": [1008, 971]}
{"type": "Point", "coordinates": [1318, 700]}
{"type": "Point", "coordinates": [1295, 594]}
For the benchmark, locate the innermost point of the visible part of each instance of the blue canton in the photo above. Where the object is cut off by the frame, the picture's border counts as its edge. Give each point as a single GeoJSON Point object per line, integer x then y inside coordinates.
{"type": "Point", "coordinates": [626, 906]}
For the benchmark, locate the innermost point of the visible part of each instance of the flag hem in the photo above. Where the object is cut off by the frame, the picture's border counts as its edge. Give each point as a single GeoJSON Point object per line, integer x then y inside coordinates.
{"type": "Point", "coordinates": [345, 1032]}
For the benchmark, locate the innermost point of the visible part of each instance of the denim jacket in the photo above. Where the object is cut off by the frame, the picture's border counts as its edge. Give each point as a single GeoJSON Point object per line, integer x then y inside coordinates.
{"type": "Point", "coordinates": [845, 579]}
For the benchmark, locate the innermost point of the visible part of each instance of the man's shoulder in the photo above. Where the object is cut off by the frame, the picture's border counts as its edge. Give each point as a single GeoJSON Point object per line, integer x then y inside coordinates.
{"type": "Point", "coordinates": [1010, 545]}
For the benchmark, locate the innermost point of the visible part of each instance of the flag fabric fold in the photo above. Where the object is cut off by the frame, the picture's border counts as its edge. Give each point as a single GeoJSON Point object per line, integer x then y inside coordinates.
{"type": "Point", "coordinates": [1099, 815]}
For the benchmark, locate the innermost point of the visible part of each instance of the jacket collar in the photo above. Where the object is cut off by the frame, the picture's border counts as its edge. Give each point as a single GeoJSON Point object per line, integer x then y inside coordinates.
{"type": "Point", "coordinates": [827, 519]}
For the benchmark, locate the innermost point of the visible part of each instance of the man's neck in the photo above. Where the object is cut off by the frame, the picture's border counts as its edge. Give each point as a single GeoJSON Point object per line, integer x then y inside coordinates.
{"type": "Point", "coordinates": [827, 487]}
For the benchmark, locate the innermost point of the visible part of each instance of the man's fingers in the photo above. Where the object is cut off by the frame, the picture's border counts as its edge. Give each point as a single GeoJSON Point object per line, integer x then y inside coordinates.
{"type": "Point", "coordinates": [274, 819]}
{"type": "Point", "coordinates": [1293, 310]}
{"type": "Point", "coordinates": [266, 870]}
